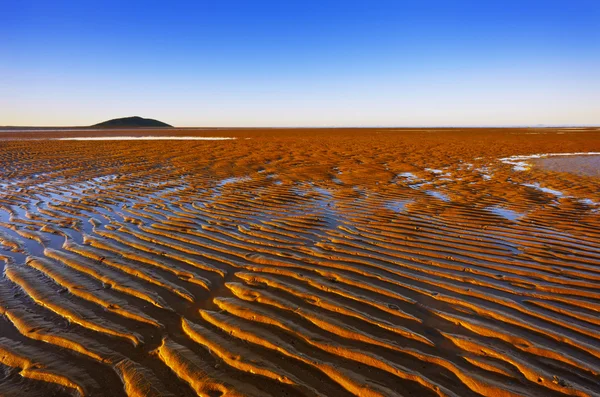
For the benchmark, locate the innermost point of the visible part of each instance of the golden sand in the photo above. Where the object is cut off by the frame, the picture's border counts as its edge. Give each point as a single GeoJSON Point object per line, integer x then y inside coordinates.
{"type": "Point", "coordinates": [367, 262]}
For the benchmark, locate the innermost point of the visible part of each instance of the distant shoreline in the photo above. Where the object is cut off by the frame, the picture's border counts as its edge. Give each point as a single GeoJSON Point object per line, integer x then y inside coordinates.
{"type": "Point", "coordinates": [94, 128]}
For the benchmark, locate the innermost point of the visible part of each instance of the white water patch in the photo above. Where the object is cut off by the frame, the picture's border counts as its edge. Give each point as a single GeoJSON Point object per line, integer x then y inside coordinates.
{"type": "Point", "coordinates": [521, 166]}
{"type": "Point", "coordinates": [438, 195]}
{"type": "Point", "coordinates": [519, 162]}
{"type": "Point", "coordinates": [484, 172]}
{"type": "Point", "coordinates": [323, 191]}
{"type": "Point", "coordinates": [537, 186]}
{"type": "Point", "coordinates": [102, 179]}
{"type": "Point", "coordinates": [407, 175]}
{"type": "Point", "coordinates": [434, 171]}
{"type": "Point", "coordinates": [273, 177]}
{"type": "Point", "coordinates": [506, 213]}
{"type": "Point", "coordinates": [234, 179]}
{"type": "Point", "coordinates": [418, 186]}
{"type": "Point", "coordinates": [145, 138]}
{"type": "Point", "coordinates": [589, 202]}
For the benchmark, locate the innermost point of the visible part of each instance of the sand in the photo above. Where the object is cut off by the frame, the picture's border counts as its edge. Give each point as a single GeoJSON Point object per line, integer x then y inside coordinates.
{"type": "Point", "coordinates": [367, 262]}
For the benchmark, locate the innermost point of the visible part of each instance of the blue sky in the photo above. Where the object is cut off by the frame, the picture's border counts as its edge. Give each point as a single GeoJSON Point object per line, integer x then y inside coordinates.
{"type": "Point", "coordinates": [301, 63]}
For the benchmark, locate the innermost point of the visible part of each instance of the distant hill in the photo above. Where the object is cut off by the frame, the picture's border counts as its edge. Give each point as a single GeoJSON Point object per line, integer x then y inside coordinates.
{"type": "Point", "coordinates": [131, 122]}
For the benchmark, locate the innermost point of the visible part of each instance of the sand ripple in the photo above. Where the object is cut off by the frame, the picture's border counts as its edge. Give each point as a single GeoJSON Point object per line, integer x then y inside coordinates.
{"type": "Point", "coordinates": [299, 263]}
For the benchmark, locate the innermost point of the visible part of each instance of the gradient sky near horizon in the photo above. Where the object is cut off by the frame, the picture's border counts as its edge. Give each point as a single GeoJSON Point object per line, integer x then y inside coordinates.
{"type": "Point", "coordinates": [301, 63]}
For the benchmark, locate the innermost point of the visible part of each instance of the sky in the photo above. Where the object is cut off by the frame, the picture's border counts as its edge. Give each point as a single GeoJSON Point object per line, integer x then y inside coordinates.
{"type": "Point", "coordinates": [301, 63]}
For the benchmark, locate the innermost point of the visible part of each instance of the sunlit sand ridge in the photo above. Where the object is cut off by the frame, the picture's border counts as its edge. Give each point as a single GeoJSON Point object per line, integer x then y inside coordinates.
{"type": "Point", "coordinates": [300, 263]}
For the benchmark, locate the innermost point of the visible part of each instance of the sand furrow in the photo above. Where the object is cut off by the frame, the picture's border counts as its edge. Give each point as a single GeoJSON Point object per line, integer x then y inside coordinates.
{"type": "Point", "coordinates": [32, 282]}
{"type": "Point", "coordinates": [119, 282]}
{"type": "Point", "coordinates": [88, 289]}
{"type": "Point", "coordinates": [205, 380]}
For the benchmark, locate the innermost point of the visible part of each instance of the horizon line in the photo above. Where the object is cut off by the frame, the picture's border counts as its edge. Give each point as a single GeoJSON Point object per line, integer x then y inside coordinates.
{"type": "Point", "coordinates": [92, 127]}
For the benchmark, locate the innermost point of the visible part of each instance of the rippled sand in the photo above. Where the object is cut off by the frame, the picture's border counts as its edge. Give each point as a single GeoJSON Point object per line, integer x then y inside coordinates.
{"type": "Point", "coordinates": [299, 263]}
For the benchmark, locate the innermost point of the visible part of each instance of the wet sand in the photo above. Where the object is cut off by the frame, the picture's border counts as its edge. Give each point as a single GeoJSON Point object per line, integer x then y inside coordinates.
{"type": "Point", "coordinates": [307, 262]}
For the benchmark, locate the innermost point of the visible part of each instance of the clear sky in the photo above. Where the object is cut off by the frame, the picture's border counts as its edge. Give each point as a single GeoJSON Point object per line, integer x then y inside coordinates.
{"type": "Point", "coordinates": [301, 63]}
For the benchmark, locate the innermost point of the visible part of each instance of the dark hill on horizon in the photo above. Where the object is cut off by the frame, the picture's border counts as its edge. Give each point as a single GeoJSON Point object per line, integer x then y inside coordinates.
{"type": "Point", "coordinates": [131, 122]}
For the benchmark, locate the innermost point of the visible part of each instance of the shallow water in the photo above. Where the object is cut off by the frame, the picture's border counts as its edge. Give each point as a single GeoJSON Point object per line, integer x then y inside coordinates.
{"type": "Point", "coordinates": [581, 165]}
{"type": "Point", "coordinates": [506, 213]}
{"type": "Point", "coordinates": [548, 190]}
{"type": "Point", "coordinates": [146, 138]}
{"type": "Point", "coordinates": [398, 205]}
{"type": "Point", "coordinates": [438, 195]}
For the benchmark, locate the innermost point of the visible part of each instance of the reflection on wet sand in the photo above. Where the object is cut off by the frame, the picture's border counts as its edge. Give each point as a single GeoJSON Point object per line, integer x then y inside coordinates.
{"type": "Point", "coordinates": [583, 165]}
{"type": "Point", "coordinates": [301, 263]}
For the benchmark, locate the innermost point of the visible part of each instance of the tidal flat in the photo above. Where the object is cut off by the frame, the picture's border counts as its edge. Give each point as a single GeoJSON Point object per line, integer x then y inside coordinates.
{"type": "Point", "coordinates": [300, 262]}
